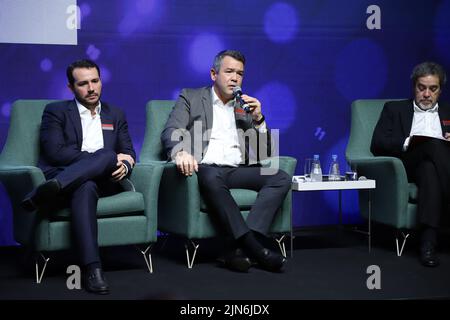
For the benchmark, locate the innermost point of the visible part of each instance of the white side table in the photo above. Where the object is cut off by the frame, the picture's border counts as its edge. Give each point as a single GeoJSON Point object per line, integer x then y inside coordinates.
{"type": "Point", "coordinates": [339, 185]}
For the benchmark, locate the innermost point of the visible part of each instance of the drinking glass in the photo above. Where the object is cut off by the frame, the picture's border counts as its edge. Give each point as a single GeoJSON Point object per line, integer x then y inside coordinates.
{"type": "Point", "coordinates": [307, 169]}
{"type": "Point", "coordinates": [350, 172]}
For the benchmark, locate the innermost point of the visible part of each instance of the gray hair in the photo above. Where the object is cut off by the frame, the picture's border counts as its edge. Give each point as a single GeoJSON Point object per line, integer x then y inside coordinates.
{"type": "Point", "coordinates": [231, 53]}
{"type": "Point", "coordinates": [426, 69]}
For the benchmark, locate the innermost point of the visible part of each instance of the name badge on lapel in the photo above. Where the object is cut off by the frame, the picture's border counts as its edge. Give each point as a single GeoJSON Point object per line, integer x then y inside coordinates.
{"type": "Point", "coordinates": [107, 126]}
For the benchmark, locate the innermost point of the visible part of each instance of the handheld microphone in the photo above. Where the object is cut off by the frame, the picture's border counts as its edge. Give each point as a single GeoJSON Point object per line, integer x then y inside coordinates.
{"type": "Point", "coordinates": [237, 93]}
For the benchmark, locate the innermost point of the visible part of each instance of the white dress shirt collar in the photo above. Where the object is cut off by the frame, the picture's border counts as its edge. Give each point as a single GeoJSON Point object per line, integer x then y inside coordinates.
{"type": "Point", "coordinates": [83, 110]}
{"type": "Point", "coordinates": [216, 100]}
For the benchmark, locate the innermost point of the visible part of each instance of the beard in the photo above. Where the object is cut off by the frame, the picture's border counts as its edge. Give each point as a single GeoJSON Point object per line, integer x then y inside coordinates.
{"type": "Point", "coordinates": [428, 106]}
{"type": "Point", "coordinates": [85, 101]}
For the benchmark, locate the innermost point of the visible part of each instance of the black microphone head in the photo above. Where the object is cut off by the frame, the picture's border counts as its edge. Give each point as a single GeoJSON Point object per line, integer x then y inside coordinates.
{"type": "Point", "coordinates": [237, 91]}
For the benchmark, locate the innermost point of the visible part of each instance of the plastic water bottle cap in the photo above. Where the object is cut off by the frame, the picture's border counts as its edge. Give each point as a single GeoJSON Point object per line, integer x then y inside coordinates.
{"type": "Point", "coordinates": [316, 157]}
{"type": "Point", "coordinates": [334, 156]}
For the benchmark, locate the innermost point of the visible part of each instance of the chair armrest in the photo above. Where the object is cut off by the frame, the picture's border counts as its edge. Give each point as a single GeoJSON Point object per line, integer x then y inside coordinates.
{"type": "Point", "coordinates": [382, 169]}
{"type": "Point", "coordinates": [146, 178]}
{"type": "Point", "coordinates": [390, 198]}
{"type": "Point", "coordinates": [179, 201]}
{"type": "Point", "coordinates": [18, 182]}
{"type": "Point", "coordinates": [284, 163]}
{"type": "Point", "coordinates": [282, 221]}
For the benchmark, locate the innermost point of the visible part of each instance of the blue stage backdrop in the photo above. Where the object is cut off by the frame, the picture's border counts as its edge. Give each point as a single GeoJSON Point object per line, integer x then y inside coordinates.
{"type": "Point", "coordinates": [306, 61]}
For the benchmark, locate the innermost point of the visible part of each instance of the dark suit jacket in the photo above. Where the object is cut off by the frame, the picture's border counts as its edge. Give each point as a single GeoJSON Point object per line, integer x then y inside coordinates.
{"type": "Point", "coordinates": [193, 111]}
{"type": "Point", "coordinates": [394, 126]}
{"type": "Point", "coordinates": [61, 135]}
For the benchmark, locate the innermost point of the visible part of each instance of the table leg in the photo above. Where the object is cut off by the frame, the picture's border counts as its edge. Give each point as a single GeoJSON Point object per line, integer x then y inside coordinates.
{"type": "Point", "coordinates": [370, 219]}
{"type": "Point", "coordinates": [292, 235]}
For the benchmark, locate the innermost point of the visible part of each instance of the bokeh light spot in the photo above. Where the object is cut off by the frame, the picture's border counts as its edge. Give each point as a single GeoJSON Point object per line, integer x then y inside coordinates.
{"type": "Point", "coordinates": [281, 22]}
{"type": "Point", "coordinates": [6, 109]}
{"type": "Point", "coordinates": [203, 50]}
{"type": "Point", "coordinates": [46, 65]}
{"type": "Point", "coordinates": [278, 104]}
{"type": "Point", "coordinates": [93, 52]}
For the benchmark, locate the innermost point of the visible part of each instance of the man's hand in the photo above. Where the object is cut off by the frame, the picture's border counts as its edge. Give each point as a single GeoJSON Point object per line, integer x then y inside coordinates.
{"type": "Point", "coordinates": [447, 136]}
{"type": "Point", "coordinates": [186, 163]}
{"type": "Point", "coordinates": [123, 156]}
{"type": "Point", "coordinates": [120, 173]}
{"type": "Point", "coordinates": [122, 169]}
{"type": "Point", "coordinates": [255, 106]}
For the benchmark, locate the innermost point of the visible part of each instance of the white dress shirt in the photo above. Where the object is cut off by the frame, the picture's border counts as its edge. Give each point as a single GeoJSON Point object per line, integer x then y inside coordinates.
{"type": "Point", "coordinates": [91, 127]}
{"type": "Point", "coordinates": [425, 123]}
{"type": "Point", "coordinates": [223, 147]}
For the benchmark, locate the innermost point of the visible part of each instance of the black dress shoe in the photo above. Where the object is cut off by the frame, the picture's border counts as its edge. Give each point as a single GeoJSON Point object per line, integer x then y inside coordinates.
{"type": "Point", "coordinates": [94, 281]}
{"type": "Point", "coordinates": [270, 261]}
{"type": "Point", "coordinates": [428, 255]}
{"type": "Point", "coordinates": [236, 260]}
{"type": "Point", "coordinates": [42, 194]}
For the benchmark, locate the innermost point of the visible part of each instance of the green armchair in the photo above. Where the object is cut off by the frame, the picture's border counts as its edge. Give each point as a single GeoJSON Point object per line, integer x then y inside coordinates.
{"type": "Point", "coordinates": [394, 201]}
{"type": "Point", "coordinates": [182, 210]}
{"type": "Point", "coordinates": [129, 217]}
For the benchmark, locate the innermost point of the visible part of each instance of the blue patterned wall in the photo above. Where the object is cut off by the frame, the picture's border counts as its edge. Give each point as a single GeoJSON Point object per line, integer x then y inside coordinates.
{"type": "Point", "coordinates": [306, 61]}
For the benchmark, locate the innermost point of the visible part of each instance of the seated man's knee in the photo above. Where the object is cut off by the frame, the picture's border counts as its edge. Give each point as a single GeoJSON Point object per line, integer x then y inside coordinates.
{"type": "Point", "coordinates": [209, 179]}
{"type": "Point", "coordinates": [283, 179]}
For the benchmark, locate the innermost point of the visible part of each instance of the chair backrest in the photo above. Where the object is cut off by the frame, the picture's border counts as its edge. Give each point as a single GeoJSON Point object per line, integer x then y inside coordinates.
{"type": "Point", "coordinates": [365, 115]}
{"type": "Point", "coordinates": [22, 144]}
{"type": "Point", "coordinates": [157, 112]}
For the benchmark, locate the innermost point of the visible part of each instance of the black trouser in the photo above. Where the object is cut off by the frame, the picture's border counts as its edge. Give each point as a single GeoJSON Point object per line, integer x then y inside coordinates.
{"type": "Point", "coordinates": [428, 165]}
{"type": "Point", "coordinates": [82, 184]}
{"type": "Point", "coordinates": [215, 183]}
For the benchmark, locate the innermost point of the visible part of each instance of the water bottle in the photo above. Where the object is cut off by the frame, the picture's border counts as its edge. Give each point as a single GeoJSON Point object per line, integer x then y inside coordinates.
{"type": "Point", "coordinates": [334, 173]}
{"type": "Point", "coordinates": [316, 170]}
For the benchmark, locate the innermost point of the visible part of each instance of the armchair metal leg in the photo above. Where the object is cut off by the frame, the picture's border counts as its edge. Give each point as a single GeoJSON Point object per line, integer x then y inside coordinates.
{"type": "Point", "coordinates": [148, 258]}
{"type": "Point", "coordinates": [399, 252]}
{"type": "Point", "coordinates": [190, 261]}
{"type": "Point", "coordinates": [281, 245]}
{"type": "Point", "coordinates": [39, 276]}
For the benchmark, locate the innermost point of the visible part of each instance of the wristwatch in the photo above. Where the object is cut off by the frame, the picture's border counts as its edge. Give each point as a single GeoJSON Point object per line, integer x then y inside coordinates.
{"type": "Point", "coordinates": [260, 121]}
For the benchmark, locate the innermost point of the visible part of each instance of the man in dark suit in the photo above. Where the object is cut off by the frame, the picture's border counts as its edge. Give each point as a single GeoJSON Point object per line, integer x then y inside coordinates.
{"type": "Point", "coordinates": [86, 152]}
{"type": "Point", "coordinates": [400, 133]}
{"type": "Point", "coordinates": [213, 127]}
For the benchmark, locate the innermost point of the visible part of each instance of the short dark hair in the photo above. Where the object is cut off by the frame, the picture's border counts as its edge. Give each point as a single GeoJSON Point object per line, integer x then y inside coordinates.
{"type": "Point", "coordinates": [83, 63]}
{"type": "Point", "coordinates": [426, 69]}
{"type": "Point", "coordinates": [230, 53]}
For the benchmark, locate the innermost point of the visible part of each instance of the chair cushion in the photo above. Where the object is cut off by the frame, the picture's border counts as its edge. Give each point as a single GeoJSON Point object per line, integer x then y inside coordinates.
{"type": "Point", "coordinates": [122, 204]}
{"type": "Point", "coordinates": [412, 192]}
{"type": "Point", "coordinates": [243, 197]}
